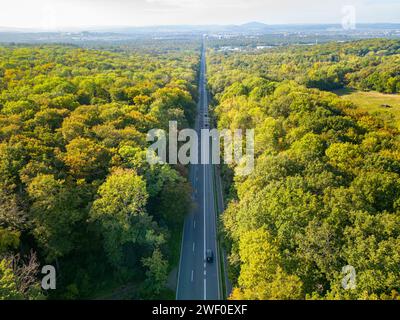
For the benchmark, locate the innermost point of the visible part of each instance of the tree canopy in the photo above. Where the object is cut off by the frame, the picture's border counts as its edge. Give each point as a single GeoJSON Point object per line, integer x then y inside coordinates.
{"type": "Point", "coordinates": [325, 189]}
{"type": "Point", "coordinates": [75, 184]}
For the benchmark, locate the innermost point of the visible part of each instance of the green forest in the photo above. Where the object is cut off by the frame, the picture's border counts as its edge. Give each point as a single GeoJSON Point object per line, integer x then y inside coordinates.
{"type": "Point", "coordinates": [75, 188]}
{"type": "Point", "coordinates": [325, 192]}
{"type": "Point", "coordinates": [77, 192]}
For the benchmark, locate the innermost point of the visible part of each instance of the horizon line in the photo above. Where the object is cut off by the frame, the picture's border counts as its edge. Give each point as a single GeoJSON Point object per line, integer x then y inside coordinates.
{"type": "Point", "coordinates": [83, 28]}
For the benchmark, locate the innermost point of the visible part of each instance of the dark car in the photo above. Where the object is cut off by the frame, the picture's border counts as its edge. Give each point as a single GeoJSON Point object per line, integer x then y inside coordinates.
{"type": "Point", "coordinates": [209, 256]}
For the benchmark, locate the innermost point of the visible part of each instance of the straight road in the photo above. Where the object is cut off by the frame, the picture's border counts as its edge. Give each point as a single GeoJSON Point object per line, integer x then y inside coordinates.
{"type": "Point", "coordinates": [197, 279]}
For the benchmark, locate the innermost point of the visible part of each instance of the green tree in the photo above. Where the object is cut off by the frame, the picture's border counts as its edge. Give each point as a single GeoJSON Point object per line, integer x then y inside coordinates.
{"type": "Point", "coordinates": [8, 286]}
{"type": "Point", "coordinates": [86, 159]}
{"type": "Point", "coordinates": [262, 276]}
{"type": "Point", "coordinates": [56, 211]}
{"type": "Point", "coordinates": [121, 215]}
{"type": "Point", "coordinates": [156, 274]}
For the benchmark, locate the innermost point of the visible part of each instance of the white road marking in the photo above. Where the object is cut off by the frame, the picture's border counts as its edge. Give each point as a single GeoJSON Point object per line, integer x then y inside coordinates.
{"type": "Point", "coordinates": [192, 277]}
{"type": "Point", "coordinates": [204, 205]}
{"type": "Point", "coordinates": [194, 224]}
{"type": "Point", "coordinates": [194, 246]}
{"type": "Point", "coordinates": [205, 289]}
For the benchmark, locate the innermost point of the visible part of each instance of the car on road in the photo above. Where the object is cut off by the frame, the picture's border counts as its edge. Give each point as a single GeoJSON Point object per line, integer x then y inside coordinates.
{"type": "Point", "coordinates": [209, 256]}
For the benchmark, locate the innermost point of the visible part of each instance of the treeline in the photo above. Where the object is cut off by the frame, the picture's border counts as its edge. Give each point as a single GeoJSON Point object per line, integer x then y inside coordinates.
{"type": "Point", "coordinates": [364, 65]}
{"type": "Point", "coordinates": [76, 190]}
{"type": "Point", "coordinates": [325, 191]}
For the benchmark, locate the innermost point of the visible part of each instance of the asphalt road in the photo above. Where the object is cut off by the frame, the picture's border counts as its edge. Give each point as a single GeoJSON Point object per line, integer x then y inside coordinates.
{"type": "Point", "coordinates": [197, 279]}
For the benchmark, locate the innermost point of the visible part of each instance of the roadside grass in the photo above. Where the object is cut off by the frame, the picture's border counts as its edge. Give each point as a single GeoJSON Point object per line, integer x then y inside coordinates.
{"type": "Point", "coordinates": [174, 247]}
{"type": "Point", "coordinates": [374, 103]}
{"type": "Point", "coordinates": [219, 245]}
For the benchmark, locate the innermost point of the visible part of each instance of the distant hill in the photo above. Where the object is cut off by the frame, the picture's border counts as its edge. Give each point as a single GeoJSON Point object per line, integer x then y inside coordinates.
{"type": "Point", "coordinates": [254, 26]}
{"type": "Point", "coordinates": [124, 33]}
{"type": "Point", "coordinates": [244, 28]}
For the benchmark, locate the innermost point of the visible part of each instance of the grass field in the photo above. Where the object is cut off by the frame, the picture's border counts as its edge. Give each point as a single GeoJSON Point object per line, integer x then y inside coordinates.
{"type": "Point", "coordinates": [372, 102]}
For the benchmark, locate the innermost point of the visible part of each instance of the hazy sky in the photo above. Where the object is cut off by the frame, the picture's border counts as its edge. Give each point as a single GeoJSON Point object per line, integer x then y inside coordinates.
{"type": "Point", "coordinates": [53, 14]}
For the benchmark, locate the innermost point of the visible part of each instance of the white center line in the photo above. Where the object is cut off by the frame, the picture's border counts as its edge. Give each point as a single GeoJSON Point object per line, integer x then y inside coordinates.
{"type": "Point", "coordinates": [194, 224]}
{"type": "Point", "coordinates": [192, 277]}
{"type": "Point", "coordinates": [193, 246]}
{"type": "Point", "coordinates": [205, 285]}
